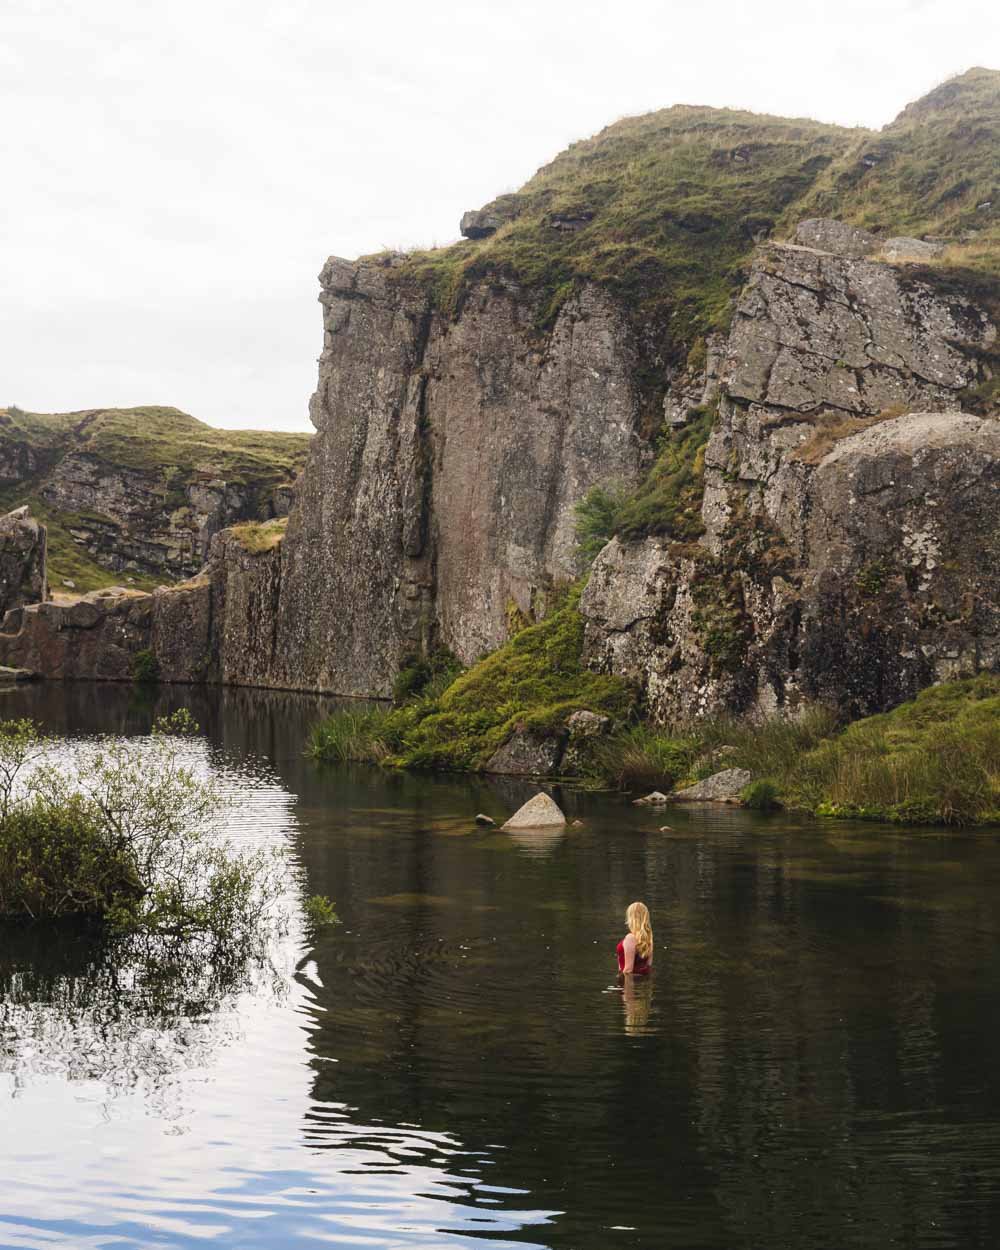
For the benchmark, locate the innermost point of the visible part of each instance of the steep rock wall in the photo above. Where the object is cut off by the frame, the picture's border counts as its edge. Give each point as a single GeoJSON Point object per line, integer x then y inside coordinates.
{"type": "Point", "coordinates": [22, 560]}
{"type": "Point", "coordinates": [440, 488]}
{"type": "Point", "coordinates": [849, 531]}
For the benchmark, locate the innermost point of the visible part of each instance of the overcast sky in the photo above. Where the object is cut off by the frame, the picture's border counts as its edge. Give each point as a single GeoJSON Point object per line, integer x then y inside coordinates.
{"type": "Point", "coordinates": [174, 174]}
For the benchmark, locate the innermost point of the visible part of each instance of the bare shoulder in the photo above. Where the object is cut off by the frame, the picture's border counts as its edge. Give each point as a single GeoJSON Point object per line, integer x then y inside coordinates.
{"type": "Point", "coordinates": [628, 941]}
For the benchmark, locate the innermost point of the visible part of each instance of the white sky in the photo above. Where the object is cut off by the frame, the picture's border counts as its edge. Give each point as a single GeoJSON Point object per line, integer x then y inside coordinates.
{"type": "Point", "coordinates": [175, 173]}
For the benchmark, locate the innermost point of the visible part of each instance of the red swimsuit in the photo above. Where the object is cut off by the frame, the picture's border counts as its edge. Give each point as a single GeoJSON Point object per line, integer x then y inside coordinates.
{"type": "Point", "coordinates": [641, 965]}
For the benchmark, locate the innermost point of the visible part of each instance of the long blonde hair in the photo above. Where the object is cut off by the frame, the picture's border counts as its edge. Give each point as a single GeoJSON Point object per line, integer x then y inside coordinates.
{"type": "Point", "coordinates": [637, 918]}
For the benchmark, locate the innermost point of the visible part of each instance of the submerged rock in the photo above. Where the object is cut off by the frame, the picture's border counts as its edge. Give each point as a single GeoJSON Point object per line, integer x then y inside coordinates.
{"type": "Point", "coordinates": [540, 812]}
{"type": "Point", "coordinates": [487, 821]}
{"type": "Point", "coordinates": [654, 799]}
{"type": "Point", "coordinates": [724, 787]}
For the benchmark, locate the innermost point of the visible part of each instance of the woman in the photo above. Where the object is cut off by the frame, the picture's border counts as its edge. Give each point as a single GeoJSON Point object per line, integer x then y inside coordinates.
{"type": "Point", "coordinates": [635, 950]}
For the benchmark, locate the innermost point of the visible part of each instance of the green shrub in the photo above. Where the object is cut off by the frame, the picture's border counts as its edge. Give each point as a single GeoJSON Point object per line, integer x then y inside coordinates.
{"type": "Point", "coordinates": [145, 668]}
{"type": "Point", "coordinates": [320, 912]}
{"type": "Point", "coordinates": [597, 517]}
{"type": "Point", "coordinates": [761, 795]}
{"type": "Point", "coordinates": [56, 860]}
{"type": "Point", "coordinates": [125, 833]}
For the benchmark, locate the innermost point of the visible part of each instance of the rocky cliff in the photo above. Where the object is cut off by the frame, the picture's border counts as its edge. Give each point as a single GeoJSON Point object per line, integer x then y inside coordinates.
{"type": "Point", "coordinates": [136, 495]}
{"type": "Point", "coordinates": [849, 505]}
{"type": "Point", "coordinates": [770, 343]}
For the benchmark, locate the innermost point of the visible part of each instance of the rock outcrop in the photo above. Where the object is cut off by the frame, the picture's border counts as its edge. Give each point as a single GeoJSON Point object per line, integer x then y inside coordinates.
{"type": "Point", "coordinates": [722, 787]}
{"type": "Point", "coordinates": [141, 492]}
{"type": "Point", "coordinates": [22, 560]}
{"type": "Point", "coordinates": [835, 539]}
{"type": "Point", "coordinates": [849, 506]}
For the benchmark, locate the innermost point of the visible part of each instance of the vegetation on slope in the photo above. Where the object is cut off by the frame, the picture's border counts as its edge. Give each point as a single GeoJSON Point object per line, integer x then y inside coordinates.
{"type": "Point", "coordinates": [932, 172]}
{"type": "Point", "coordinates": [535, 682]}
{"type": "Point", "coordinates": [260, 536]}
{"type": "Point", "coordinates": [669, 206]}
{"type": "Point", "coordinates": [935, 760]}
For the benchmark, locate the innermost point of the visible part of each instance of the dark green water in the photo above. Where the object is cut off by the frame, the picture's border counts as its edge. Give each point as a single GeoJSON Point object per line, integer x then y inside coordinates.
{"type": "Point", "coordinates": [813, 1063]}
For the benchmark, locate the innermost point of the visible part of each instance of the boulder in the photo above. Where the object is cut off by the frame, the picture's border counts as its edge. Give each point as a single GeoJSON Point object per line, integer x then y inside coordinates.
{"type": "Point", "coordinates": [479, 223]}
{"type": "Point", "coordinates": [540, 812]}
{"type": "Point", "coordinates": [486, 821]}
{"type": "Point", "coordinates": [724, 787]}
{"type": "Point", "coordinates": [584, 724]}
{"type": "Point", "coordinates": [826, 235]}
{"type": "Point", "coordinates": [654, 799]}
{"type": "Point", "coordinates": [528, 754]}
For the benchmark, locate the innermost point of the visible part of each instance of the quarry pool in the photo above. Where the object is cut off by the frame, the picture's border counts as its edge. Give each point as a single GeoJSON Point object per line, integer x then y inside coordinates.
{"type": "Point", "coordinates": [812, 1064]}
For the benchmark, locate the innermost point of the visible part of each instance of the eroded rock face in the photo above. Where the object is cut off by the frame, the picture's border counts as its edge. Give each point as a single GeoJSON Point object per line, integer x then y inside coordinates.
{"type": "Point", "coordinates": [440, 488]}
{"type": "Point", "coordinates": [849, 508]}
{"type": "Point", "coordinates": [218, 627]}
{"type": "Point", "coordinates": [22, 560]}
{"type": "Point", "coordinates": [130, 521]}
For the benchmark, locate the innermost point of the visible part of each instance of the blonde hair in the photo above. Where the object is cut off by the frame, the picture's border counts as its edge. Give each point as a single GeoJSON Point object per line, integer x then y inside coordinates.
{"type": "Point", "coordinates": [637, 918]}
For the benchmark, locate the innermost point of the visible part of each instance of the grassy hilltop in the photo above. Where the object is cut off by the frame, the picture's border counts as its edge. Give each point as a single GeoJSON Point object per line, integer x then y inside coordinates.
{"type": "Point", "coordinates": [664, 211]}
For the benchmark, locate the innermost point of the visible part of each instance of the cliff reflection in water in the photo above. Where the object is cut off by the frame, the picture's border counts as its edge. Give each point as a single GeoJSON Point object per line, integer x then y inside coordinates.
{"type": "Point", "coordinates": [811, 1063]}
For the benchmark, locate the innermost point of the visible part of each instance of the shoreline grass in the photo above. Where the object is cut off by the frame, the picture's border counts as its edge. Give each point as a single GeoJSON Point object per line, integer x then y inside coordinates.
{"type": "Point", "coordinates": [932, 761]}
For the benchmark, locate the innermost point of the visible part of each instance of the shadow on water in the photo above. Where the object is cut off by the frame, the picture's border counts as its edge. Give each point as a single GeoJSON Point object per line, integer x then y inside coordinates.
{"type": "Point", "coordinates": [811, 1063]}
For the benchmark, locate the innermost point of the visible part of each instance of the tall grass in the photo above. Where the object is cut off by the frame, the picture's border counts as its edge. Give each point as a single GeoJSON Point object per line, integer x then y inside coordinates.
{"type": "Point", "coordinates": [935, 760]}
{"type": "Point", "coordinates": [644, 756]}
{"type": "Point", "coordinates": [351, 735]}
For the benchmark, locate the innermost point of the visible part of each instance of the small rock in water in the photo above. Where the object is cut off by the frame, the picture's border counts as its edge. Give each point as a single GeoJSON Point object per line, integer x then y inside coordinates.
{"type": "Point", "coordinates": [541, 812]}
{"type": "Point", "coordinates": [723, 787]}
{"type": "Point", "coordinates": [485, 820]}
{"type": "Point", "coordinates": [666, 828]}
{"type": "Point", "coordinates": [577, 824]}
{"type": "Point", "coordinates": [655, 799]}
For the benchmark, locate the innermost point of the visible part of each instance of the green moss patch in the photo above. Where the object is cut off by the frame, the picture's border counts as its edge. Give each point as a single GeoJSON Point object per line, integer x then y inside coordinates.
{"type": "Point", "coordinates": [535, 681]}
{"type": "Point", "coordinates": [935, 760]}
{"type": "Point", "coordinates": [260, 536]}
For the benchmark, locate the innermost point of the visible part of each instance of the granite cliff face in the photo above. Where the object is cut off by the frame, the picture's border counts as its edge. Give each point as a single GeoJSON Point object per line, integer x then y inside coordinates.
{"type": "Point", "coordinates": [849, 506]}
{"type": "Point", "coordinates": [438, 498]}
